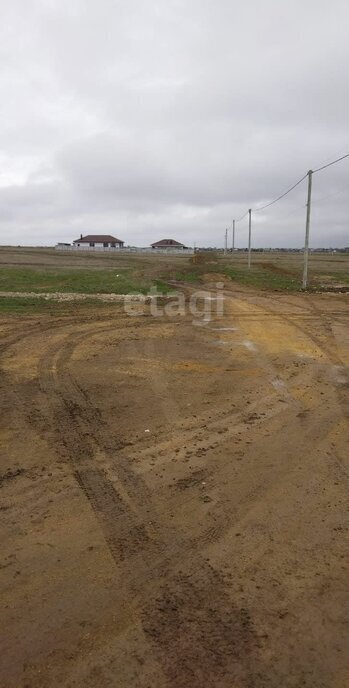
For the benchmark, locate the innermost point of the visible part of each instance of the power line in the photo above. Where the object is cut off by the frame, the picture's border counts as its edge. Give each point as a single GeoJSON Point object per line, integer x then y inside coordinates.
{"type": "Point", "coordinates": [241, 218]}
{"type": "Point", "coordinates": [267, 205]}
{"type": "Point", "coordinates": [309, 176]}
{"type": "Point", "coordinates": [331, 163]}
{"type": "Point", "coordinates": [328, 159]}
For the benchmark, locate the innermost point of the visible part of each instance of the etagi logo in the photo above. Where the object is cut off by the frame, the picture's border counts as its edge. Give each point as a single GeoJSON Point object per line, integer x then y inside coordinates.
{"type": "Point", "coordinates": [202, 305]}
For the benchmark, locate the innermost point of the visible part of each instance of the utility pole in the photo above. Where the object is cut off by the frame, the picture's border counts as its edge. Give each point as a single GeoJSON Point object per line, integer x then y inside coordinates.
{"type": "Point", "coordinates": [226, 242]}
{"type": "Point", "coordinates": [307, 228]}
{"type": "Point", "coordinates": [233, 240]}
{"type": "Point", "coordinates": [249, 238]}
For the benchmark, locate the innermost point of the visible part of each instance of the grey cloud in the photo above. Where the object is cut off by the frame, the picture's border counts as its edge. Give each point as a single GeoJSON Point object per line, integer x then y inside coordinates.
{"type": "Point", "coordinates": [147, 118]}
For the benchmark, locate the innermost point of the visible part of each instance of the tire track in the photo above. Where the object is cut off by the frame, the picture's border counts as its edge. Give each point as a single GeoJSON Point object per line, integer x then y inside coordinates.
{"type": "Point", "coordinates": [78, 431]}
{"type": "Point", "coordinates": [214, 632]}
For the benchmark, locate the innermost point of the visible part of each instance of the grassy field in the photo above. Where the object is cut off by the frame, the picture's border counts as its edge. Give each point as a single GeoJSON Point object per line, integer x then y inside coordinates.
{"type": "Point", "coordinates": [29, 305]}
{"type": "Point", "coordinates": [258, 276]}
{"type": "Point", "coordinates": [84, 281]}
{"type": "Point", "coordinates": [275, 271]}
{"type": "Point", "coordinates": [48, 271]}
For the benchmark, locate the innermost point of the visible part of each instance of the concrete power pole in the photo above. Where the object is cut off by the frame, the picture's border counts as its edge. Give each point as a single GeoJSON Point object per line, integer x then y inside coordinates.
{"type": "Point", "coordinates": [233, 239]}
{"type": "Point", "coordinates": [226, 242]}
{"type": "Point", "coordinates": [249, 238]}
{"type": "Point", "coordinates": [307, 229]}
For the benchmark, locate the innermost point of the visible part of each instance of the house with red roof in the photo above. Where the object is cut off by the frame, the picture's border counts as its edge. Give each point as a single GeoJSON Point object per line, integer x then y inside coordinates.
{"type": "Point", "coordinates": [168, 244]}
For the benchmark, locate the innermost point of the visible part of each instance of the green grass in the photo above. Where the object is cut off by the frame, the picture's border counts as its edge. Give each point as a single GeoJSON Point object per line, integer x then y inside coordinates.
{"type": "Point", "coordinates": [137, 274]}
{"type": "Point", "coordinates": [33, 306]}
{"type": "Point", "coordinates": [340, 277]}
{"type": "Point", "coordinates": [76, 281]}
{"type": "Point", "coordinates": [273, 274]}
{"type": "Point", "coordinates": [258, 276]}
{"type": "Point", "coordinates": [84, 281]}
{"type": "Point", "coordinates": [191, 276]}
{"type": "Point", "coordinates": [262, 278]}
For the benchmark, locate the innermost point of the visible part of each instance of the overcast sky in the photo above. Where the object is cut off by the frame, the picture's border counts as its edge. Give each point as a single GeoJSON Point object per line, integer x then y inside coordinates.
{"type": "Point", "coordinates": [152, 119]}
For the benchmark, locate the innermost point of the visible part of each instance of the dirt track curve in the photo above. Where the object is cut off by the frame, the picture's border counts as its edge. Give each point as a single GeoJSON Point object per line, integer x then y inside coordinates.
{"type": "Point", "coordinates": [174, 497]}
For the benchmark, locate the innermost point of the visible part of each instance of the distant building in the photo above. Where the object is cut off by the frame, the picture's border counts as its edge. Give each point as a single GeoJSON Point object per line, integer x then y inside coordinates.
{"type": "Point", "coordinates": [98, 241]}
{"type": "Point", "coordinates": [106, 242]}
{"type": "Point", "coordinates": [168, 243]}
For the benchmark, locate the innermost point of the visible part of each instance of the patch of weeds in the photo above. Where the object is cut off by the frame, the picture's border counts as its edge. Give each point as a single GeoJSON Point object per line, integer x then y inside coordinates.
{"type": "Point", "coordinates": [90, 281]}
{"type": "Point", "coordinates": [192, 276]}
{"type": "Point", "coordinates": [262, 278]}
{"type": "Point", "coordinates": [19, 305]}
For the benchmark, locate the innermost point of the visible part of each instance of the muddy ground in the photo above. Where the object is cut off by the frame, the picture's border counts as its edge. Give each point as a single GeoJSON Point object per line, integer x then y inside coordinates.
{"type": "Point", "coordinates": [174, 497]}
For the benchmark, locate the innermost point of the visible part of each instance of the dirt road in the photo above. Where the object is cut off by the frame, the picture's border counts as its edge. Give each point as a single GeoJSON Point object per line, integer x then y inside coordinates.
{"type": "Point", "coordinates": [174, 497]}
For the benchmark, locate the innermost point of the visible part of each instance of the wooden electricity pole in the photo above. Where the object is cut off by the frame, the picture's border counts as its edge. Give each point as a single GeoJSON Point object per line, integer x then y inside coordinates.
{"type": "Point", "coordinates": [307, 229]}
{"type": "Point", "coordinates": [249, 238]}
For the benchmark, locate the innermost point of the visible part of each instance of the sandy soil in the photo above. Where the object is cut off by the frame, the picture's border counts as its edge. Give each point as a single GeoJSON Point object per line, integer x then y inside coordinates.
{"type": "Point", "coordinates": [174, 497]}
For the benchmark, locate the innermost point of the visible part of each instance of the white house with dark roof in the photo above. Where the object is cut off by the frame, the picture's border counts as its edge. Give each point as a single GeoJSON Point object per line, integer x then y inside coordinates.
{"type": "Point", "coordinates": [98, 241]}
{"type": "Point", "coordinates": [106, 242]}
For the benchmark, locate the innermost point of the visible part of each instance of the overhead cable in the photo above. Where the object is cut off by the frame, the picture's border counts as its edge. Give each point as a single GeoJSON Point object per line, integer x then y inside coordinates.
{"type": "Point", "coordinates": [267, 205]}
{"type": "Point", "coordinates": [331, 163]}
